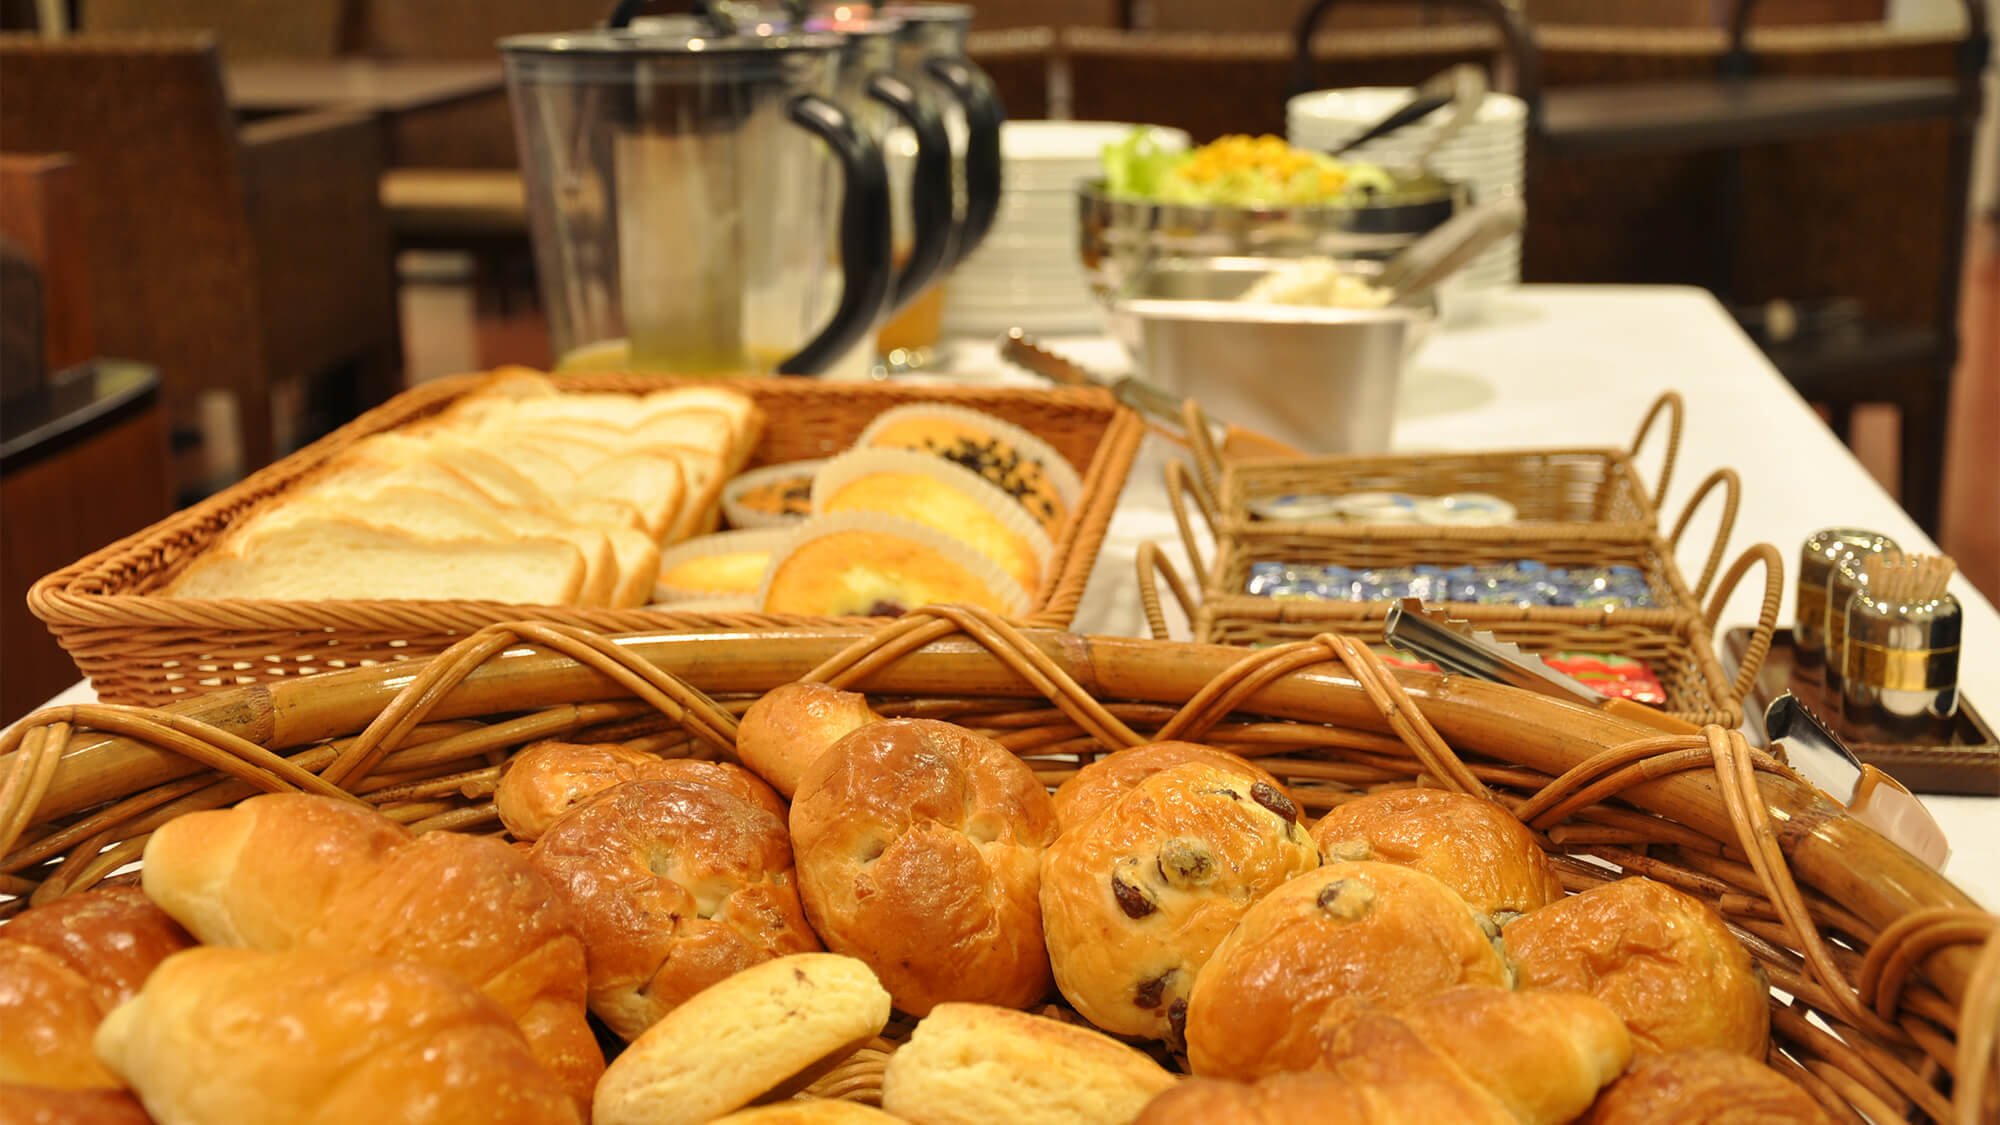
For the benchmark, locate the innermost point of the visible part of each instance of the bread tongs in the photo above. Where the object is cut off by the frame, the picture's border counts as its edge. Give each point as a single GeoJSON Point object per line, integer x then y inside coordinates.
{"type": "Point", "coordinates": [1873, 797]}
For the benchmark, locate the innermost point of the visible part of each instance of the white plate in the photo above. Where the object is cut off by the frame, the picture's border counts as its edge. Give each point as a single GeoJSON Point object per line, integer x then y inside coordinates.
{"type": "Point", "coordinates": [1369, 104]}
{"type": "Point", "coordinates": [1073, 140]}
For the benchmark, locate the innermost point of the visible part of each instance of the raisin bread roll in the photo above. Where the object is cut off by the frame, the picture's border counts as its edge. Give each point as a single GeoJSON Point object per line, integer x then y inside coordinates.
{"type": "Point", "coordinates": [1474, 846]}
{"type": "Point", "coordinates": [1663, 960]}
{"type": "Point", "coordinates": [1705, 1086]}
{"type": "Point", "coordinates": [547, 779]}
{"type": "Point", "coordinates": [1136, 898]}
{"type": "Point", "coordinates": [674, 886]}
{"type": "Point", "coordinates": [792, 724]}
{"type": "Point", "coordinates": [1098, 785]}
{"type": "Point", "coordinates": [1323, 948]}
{"type": "Point", "coordinates": [919, 847]}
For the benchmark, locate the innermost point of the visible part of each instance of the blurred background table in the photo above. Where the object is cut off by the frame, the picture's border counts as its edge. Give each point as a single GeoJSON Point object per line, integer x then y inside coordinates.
{"type": "Point", "coordinates": [364, 85]}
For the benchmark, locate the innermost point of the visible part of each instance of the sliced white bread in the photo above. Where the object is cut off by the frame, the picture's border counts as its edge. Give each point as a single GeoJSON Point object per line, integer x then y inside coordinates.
{"type": "Point", "coordinates": [652, 484]}
{"type": "Point", "coordinates": [326, 557]}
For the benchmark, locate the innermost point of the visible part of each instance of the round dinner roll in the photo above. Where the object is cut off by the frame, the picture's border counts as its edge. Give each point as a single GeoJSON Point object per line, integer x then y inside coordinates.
{"type": "Point", "coordinates": [1704, 1086]}
{"type": "Point", "coordinates": [970, 1064]}
{"type": "Point", "coordinates": [1323, 948]}
{"type": "Point", "coordinates": [547, 779]}
{"type": "Point", "coordinates": [1474, 846]}
{"type": "Point", "coordinates": [1135, 898]}
{"type": "Point", "coordinates": [1663, 960]}
{"type": "Point", "coordinates": [674, 886]}
{"type": "Point", "coordinates": [1098, 785]}
{"type": "Point", "coordinates": [1292, 1098]}
{"type": "Point", "coordinates": [764, 1032]}
{"type": "Point", "coordinates": [919, 849]}
{"type": "Point", "coordinates": [792, 724]}
{"type": "Point", "coordinates": [47, 1105]}
{"type": "Point", "coordinates": [810, 1111]}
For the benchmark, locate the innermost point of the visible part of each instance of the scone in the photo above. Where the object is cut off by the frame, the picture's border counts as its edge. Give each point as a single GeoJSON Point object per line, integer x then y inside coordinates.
{"type": "Point", "coordinates": [549, 778]}
{"type": "Point", "coordinates": [919, 847]}
{"type": "Point", "coordinates": [1136, 898]}
{"type": "Point", "coordinates": [1663, 960]}
{"type": "Point", "coordinates": [792, 724]}
{"type": "Point", "coordinates": [1098, 785]}
{"type": "Point", "coordinates": [864, 564]}
{"type": "Point", "coordinates": [1020, 464]}
{"type": "Point", "coordinates": [970, 1064]}
{"type": "Point", "coordinates": [1475, 847]}
{"type": "Point", "coordinates": [1704, 1086]}
{"type": "Point", "coordinates": [674, 885]}
{"type": "Point", "coordinates": [1324, 948]}
{"type": "Point", "coordinates": [939, 495]}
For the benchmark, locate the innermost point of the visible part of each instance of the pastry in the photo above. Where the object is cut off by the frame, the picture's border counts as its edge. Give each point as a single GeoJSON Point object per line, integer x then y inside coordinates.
{"type": "Point", "coordinates": [1020, 464]}
{"type": "Point", "coordinates": [546, 779]}
{"type": "Point", "coordinates": [726, 563]}
{"type": "Point", "coordinates": [768, 1029]}
{"type": "Point", "coordinates": [1705, 1086]}
{"type": "Point", "coordinates": [225, 1036]}
{"type": "Point", "coordinates": [792, 724]}
{"type": "Point", "coordinates": [919, 847]}
{"type": "Point", "coordinates": [1430, 1097]}
{"type": "Point", "coordinates": [1098, 785]}
{"type": "Point", "coordinates": [62, 967]}
{"type": "Point", "coordinates": [1136, 898]}
{"type": "Point", "coordinates": [674, 885]}
{"type": "Point", "coordinates": [864, 564]}
{"type": "Point", "coordinates": [1323, 948]}
{"type": "Point", "coordinates": [336, 879]}
{"type": "Point", "coordinates": [1475, 846]}
{"type": "Point", "coordinates": [969, 1064]}
{"type": "Point", "coordinates": [809, 1111]}
{"type": "Point", "coordinates": [1661, 959]}
{"type": "Point", "coordinates": [939, 495]}
{"type": "Point", "coordinates": [773, 496]}
{"type": "Point", "coordinates": [47, 1105]}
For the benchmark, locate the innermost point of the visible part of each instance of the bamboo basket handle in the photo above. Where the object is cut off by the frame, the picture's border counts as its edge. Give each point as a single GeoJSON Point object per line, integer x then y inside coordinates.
{"type": "Point", "coordinates": [1179, 485]}
{"type": "Point", "coordinates": [1670, 404]}
{"type": "Point", "coordinates": [1152, 566]}
{"type": "Point", "coordinates": [1207, 458]}
{"type": "Point", "coordinates": [1732, 497]}
{"type": "Point", "coordinates": [1767, 615]}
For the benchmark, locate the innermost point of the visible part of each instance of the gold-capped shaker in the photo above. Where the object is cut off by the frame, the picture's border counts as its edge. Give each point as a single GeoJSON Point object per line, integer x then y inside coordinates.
{"type": "Point", "coordinates": [1900, 653]}
{"type": "Point", "coordinates": [1822, 550]}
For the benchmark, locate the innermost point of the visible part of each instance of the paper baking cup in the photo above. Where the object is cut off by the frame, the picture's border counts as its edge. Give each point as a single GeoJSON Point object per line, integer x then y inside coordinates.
{"type": "Point", "coordinates": [1008, 592]}
{"type": "Point", "coordinates": [1061, 476]}
{"type": "Point", "coordinates": [850, 467]}
{"type": "Point", "coordinates": [762, 539]}
{"type": "Point", "coordinates": [742, 517]}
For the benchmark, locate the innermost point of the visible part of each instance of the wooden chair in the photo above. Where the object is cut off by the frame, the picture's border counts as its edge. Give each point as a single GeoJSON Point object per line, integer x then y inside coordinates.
{"type": "Point", "coordinates": [236, 261]}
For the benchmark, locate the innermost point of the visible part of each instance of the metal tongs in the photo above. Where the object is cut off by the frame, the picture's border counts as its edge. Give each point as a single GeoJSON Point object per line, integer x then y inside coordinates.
{"type": "Point", "coordinates": [1874, 798]}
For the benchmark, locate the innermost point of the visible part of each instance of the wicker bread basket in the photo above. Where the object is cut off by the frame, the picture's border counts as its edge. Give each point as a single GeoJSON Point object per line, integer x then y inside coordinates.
{"type": "Point", "coordinates": [136, 646]}
{"type": "Point", "coordinates": [1885, 977]}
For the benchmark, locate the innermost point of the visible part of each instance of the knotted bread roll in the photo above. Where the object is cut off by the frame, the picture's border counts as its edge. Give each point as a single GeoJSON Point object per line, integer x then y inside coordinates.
{"type": "Point", "coordinates": [792, 724]}
{"type": "Point", "coordinates": [1474, 846]}
{"type": "Point", "coordinates": [547, 779]}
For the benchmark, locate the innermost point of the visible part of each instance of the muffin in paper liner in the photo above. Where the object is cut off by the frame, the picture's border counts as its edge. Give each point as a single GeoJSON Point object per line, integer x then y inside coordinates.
{"type": "Point", "coordinates": [726, 564]}
{"type": "Point", "coordinates": [942, 495]}
{"type": "Point", "coordinates": [866, 564]}
{"type": "Point", "coordinates": [773, 496]}
{"type": "Point", "coordinates": [1019, 463]}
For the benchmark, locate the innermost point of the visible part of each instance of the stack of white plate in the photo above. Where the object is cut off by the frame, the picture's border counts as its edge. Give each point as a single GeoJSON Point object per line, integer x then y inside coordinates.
{"type": "Point", "coordinates": [1027, 274]}
{"type": "Point", "coordinates": [1488, 153]}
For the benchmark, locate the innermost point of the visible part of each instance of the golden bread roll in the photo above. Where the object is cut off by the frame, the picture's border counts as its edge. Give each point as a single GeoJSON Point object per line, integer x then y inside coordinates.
{"type": "Point", "coordinates": [1324, 947]}
{"type": "Point", "coordinates": [231, 1036]}
{"type": "Point", "coordinates": [62, 966]}
{"type": "Point", "coordinates": [674, 885]}
{"type": "Point", "coordinates": [791, 725]}
{"type": "Point", "coordinates": [809, 1111]}
{"type": "Point", "coordinates": [919, 847]}
{"type": "Point", "coordinates": [547, 779]}
{"type": "Point", "coordinates": [1474, 846]}
{"type": "Point", "coordinates": [319, 875]}
{"type": "Point", "coordinates": [1544, 1055]}
{"type": "Point", "coordinates": [766, 1031]}
{"type": "Point", "coordinates": [1425, 1097]}
{"type": "Point", "coordinates": [1705, 1086]}
{"type": "Point", "coordinates": [1136, 898]}
{"type": "Point", "coordinates": [46, 1105]}
{"type": "Point", "coordinates": [1663, 960]}
{"type": "Point", "coordinates": [1098, 785]}
{"type": "Point", "coordinates": [969, 1064]}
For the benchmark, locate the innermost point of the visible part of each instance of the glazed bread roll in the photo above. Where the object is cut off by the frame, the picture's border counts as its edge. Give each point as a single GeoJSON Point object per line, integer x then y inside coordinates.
{"type": "Point", "coordinates": [969, 1064]}
{"type": "Point", "coordinates": [791, 725]}
{"type": "Point", "coordinates": [46, 1105]}
{"type": "Point", "coordinates": [1420, 1098]}
{"type": "Point", "coordinates": [1705, 1086]}
{"type": "Point", "coordinates": [547, 779]}
{"type": "Point", "coordinates": [765, 1031]}
{"type": "Point", "coordinates": [1474, 846]}
{"type": "Point", "coordinates": [809, 1111]}
{"type": "Point", "coordinates": [1135, 898]}
{"type": "Point", "coordinates": [674, 885]}
{"type": "Point", "coordinates": [229, 1036]}
{"type": "Point", "coordinates": [1319, 950]}
{"type": "Point", "coordinates": [919, 847]}
{"type": "Point", "coordinates": [337, 879]}
{"type": "Point", "coordinates": [1543, 1055]}
{"type": "Point", "coordinates": [62, 967]}
{"type": "Point", "coordinates": [1098, 785]}
{"type": "Point", "coordinates": [1663, 960]}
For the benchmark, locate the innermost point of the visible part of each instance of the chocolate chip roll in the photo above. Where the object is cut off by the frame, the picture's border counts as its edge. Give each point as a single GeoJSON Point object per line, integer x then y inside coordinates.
{"type": "Point", "coordinates": [1475, 847]}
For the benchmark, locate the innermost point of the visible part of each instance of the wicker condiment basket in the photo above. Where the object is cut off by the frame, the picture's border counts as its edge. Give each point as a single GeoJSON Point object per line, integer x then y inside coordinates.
{"type": "Point", "coordinates": [1885, 977]}
{"type": "Point", "coordinates": [138, 647]}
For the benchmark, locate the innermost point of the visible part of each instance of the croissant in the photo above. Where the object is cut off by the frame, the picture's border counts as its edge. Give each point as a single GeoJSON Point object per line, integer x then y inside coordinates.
{"type": "Point", "coordinates": [311, 874]}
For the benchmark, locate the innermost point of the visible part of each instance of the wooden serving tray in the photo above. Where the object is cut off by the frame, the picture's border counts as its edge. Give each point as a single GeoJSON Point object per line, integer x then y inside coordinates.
{"type": "Point", "coordinates": [1968, 762]}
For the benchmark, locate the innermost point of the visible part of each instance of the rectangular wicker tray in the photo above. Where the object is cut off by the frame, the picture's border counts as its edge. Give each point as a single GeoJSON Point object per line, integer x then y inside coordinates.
{"type": "Point", "coordinates": [138, 647]}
